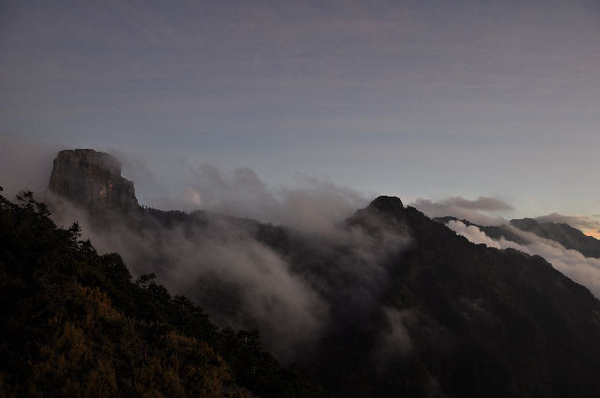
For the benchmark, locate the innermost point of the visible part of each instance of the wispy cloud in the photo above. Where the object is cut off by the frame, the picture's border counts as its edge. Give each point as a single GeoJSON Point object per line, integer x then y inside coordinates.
{"type": "Point", "coordinates": [333, 276]}
{"type": "Point", "coordinates": [473, 234]}
{"type": "Point", "coordinates": [479, 211]}
{"type": "Point", "coordinates": [25, 165]}
{"type": "Point", "coordinates": [308, 204]}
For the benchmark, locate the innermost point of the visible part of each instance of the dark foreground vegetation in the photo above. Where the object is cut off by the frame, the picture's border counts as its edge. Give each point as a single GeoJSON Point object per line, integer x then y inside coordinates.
{"type": "Point", "coordinates": [74, 324]}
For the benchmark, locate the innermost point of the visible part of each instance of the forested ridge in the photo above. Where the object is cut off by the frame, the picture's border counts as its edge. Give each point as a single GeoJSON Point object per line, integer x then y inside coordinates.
{"type": "Point", "coordinates": [74, 323]}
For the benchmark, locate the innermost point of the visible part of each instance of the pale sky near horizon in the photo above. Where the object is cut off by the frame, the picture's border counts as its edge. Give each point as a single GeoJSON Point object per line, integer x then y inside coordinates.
{"type": "Point", "coordinates": [420, 99]}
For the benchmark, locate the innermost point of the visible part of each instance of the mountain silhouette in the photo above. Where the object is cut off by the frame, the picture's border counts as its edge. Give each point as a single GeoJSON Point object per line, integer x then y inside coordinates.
{"type": "Point", "coordinates": [393, 304]}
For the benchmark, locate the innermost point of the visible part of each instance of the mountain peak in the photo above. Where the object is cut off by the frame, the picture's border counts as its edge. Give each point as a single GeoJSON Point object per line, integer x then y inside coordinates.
{"type": "Point", "coordinates": [386, 204]}
{"type": "Point", "coordinates": [92, 180]}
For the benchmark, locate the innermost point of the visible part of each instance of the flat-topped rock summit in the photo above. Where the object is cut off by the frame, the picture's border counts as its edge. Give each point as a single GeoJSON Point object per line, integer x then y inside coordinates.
{"type": "Point", "coordinates": [92, 180]}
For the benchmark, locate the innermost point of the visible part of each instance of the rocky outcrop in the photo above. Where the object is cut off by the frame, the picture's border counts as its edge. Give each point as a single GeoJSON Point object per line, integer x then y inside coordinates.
{"type": "Point", "coordinates": [93, 181]}
{"type": "Point", "coordinates": [386, 204]}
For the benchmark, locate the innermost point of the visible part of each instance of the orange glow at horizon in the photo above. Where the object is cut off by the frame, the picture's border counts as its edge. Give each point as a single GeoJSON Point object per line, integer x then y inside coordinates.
{"type": "Point", "coordinates": [594, 233]}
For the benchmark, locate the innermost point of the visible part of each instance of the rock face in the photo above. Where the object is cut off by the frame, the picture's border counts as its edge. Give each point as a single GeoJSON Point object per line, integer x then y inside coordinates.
{"type": "Point", "coordinates": [93, 181]}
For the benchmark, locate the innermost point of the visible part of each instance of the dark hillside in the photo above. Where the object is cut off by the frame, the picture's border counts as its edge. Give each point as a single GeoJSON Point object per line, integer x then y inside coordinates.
{"type": "Point", "coordinates": [73, 323]}
{"type": "Point", "coordinates": [469, 321]}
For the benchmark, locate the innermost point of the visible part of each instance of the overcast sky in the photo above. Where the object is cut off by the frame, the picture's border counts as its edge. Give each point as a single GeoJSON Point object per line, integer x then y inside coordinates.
{"type": "Point", "coordinates": [419, 99]}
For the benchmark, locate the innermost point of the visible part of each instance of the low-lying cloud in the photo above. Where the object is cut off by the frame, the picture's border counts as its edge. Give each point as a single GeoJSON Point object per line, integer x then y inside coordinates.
{"type": "Point", "coordinates": [581, 269]}
{"type": "Point", "coordinates": [479, 211]}
{"type": "Point", "coordinates": [311, 205]}
{"type": "Point", "coordinates": [332, 278]}
{"type": "Point", "coordinates": [472, 233]}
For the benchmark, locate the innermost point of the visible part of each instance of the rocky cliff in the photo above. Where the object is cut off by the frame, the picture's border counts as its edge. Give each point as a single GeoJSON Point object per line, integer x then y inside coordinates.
{"type": "Point", "coordinates": [93, 181]}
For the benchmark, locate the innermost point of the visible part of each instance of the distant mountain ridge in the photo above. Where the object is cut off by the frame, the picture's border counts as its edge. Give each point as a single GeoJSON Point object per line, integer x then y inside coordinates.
{"type": "Point", "coordinates": [568, 236]}
{"type": "Point", "coordinates": [399, 304]}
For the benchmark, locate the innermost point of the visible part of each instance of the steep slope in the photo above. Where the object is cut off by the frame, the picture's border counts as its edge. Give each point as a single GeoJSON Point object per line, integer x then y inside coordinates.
{"type": "Point", "coordinates": [464, 320]}
{"type": "Point", "coordinates": [73, 324]}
